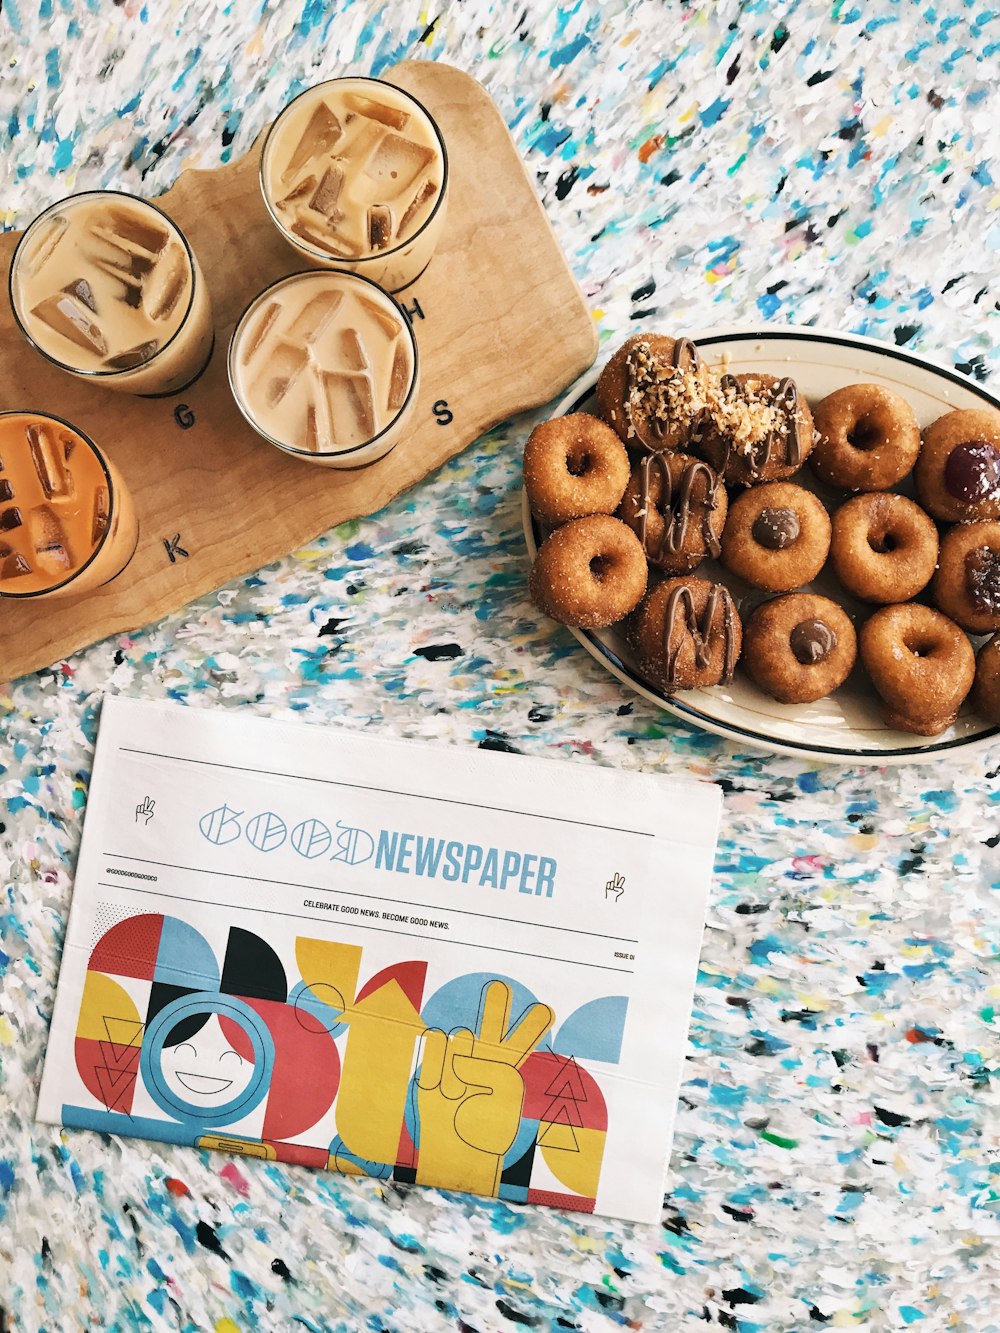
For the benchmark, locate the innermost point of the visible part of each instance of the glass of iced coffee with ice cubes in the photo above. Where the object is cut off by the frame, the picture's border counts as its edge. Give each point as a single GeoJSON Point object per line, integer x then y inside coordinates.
{"type": "Point", "coordinates": [324, 365]}
{"type": "Point", "coordinates": [67, 522]}
{"type": "Point", "coordinates": [106, 286]}
{"type": "Point", "coordinates": [355, 174]}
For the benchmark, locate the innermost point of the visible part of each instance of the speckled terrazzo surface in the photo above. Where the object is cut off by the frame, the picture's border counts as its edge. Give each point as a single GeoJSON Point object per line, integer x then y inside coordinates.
{"type": "Point", "coordinates": [836, 1157]}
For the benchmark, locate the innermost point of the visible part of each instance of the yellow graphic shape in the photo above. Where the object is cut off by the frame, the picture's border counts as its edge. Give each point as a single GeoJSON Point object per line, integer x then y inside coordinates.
{"type": "Point", "coordinates": [107, 1012]}
{"type": "Point", "coordinates": [573, 1155]}
{"type": "Point", "coordinates": [326, 964]}
{"type": "Point", "coordinates": [382, 1033]}
{"type": "Point", "coordinates": [470, 1094]}
{"type": "Point", "coordinates": [245, 1147]}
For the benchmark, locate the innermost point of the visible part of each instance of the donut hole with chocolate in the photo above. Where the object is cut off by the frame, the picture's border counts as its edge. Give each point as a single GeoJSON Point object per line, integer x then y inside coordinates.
{"type": "Point", "coordinates": [653, 391]}
{"type": "Point", "coordinates": [966, 586]}
{"type": "Point", "coordinates": [758, 429]}
{"type": "Point", "coordinates": [799, 648]}
{"type": "Point", "coordinates": [676, 505]}
{"type": "Point", "coordinates": [777, 536]}
{"type": "Point", "coordinates": [686, 634]}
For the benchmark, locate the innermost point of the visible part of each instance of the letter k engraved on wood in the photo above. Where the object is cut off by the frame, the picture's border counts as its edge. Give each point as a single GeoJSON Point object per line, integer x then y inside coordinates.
{"type": "Point", "coordinates": [470, 1094]}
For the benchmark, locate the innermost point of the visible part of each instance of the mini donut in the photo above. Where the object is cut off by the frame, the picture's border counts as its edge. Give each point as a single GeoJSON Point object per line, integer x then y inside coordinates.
{"type": "Point", "coordinates": [958, 470]}
{"type": "Point", "coordinates": [676, 505]}
{"type": "Point", "coordinates": [652, 391]}
{"type": "Point", "coordinates": [574, 466]}
{"type": "Point", "coordinates": [687, 634]}
{"type": "Point", "coordinates": [868, 438]}
{"type": "Point", "coordinates": [799, 648]}
{"type": "Point", "coordinates": [985, 697]}
{"type": "Point", "coordinates": [590, 572]}
{"type": "Point", "coordinates": [884, 547]}
{"type": "Point", "coordinates": [777, 536]}
{"type": "Point", "coordinates": [967, 583]}
{"type": "Point", "coordinates": [921, 665]}
{"type": "Point", "coordinates": [759, 429]}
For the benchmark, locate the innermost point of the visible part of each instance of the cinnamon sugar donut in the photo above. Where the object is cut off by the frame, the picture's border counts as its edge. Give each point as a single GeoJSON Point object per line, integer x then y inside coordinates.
{"type": "Point", "coordinates": [967, 583]}
{"type": "Point", "coordinates": [591, 572]}
{"type": "Point", "coordinates": [686, 634]}
{"type": "Point", "coordinates": [884, 547]}
{"type": "Point", "coordinates": [759, 429]}
{"type": "Point", "coordinates": [574, 466]}
{"type": "Point", "coordinates": [958, 470]}
{"type": "Point", "coordinates": [652, 391]}
{"type": "Point", "coordinates": [799, 648]}
{"type": "Point", "coordinates": [777, 536]}
{"type": "Point", "coordinates": [921, 665]}
{"type": "Point", "coordinates": [676, 505]}
{"type": "Point", "coordinates": [868, 438]}
{"type": "Point", "coordinates": [985, 697]}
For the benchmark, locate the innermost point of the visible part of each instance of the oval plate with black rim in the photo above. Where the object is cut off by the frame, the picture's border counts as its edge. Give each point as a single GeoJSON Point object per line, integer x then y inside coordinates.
{"type": "Point", "coordinates": [846, 726]}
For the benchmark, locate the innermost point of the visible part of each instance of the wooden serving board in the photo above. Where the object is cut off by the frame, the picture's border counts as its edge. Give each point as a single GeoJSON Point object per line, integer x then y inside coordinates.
{"type": "Point", "coordinates": [501, 325]}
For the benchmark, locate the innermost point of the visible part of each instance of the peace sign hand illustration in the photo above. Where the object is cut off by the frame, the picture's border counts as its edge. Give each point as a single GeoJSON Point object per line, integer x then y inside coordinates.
{"type": "Point", "coordinates": [470, 1094]}
{"type": "Point", "coordinates": [145, 810]}
{"type": "Point", "coordinates": [615, 885]}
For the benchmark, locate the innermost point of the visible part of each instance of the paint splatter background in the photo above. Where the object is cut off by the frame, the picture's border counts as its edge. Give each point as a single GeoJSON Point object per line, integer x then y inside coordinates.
{"type": "Point", "coordinates": [835, 1163]}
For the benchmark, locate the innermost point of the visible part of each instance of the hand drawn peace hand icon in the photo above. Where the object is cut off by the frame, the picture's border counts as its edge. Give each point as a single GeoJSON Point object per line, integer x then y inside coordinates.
{"type": "Point", "coordinates": [145, 810]}
{"type": "Point", "coordinates": [470, 1094]}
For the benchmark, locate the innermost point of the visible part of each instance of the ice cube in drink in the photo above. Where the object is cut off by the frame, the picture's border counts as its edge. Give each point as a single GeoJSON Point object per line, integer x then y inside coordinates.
{"type": "Point", "coordinates": [67, 523]}
{"type": "Point", "coordinates": [323, 365]}
{"type": "Point", "coordinates": [354, 173]}
{"type": "Point", "coordinates": [106, 286]}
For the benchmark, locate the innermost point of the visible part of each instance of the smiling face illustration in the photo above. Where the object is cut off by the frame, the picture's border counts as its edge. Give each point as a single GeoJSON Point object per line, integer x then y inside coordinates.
{"type": "Point", "coordinates": [204, 1069]}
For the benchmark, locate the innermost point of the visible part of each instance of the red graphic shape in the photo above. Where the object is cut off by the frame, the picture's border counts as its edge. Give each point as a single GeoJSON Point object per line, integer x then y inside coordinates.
{"type": "Point", "coordinates": [577, 1099]}
{"type": "Point", "coordinates": [300, 1154]}
{"type": "Point", "coordinates": [409, 977]}
{"type": "Point", "coordinates": [129, 949]}
{"type": "Point", "coordinates": [306, 1072]}
{"type": "Point", "coordinates": [553, 1199]}
{"type": "Point", "coordinates": [109, 1078]}
{"type": "Point", "coordinates": [237, 1037]}
{"type": "Point", "coordinates": [406, 1153]}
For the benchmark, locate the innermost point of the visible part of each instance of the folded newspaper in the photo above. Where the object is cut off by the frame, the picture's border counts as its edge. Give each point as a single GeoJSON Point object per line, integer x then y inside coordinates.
{"type": "Point", "coordinates": [424, 964]}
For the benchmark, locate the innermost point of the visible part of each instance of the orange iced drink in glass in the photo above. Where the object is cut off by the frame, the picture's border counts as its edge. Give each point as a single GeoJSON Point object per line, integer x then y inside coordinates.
{"type": "Point", "coordinates": [355, 174]}
{"type": "Point", "coordinates": [67, 522]}
{"type": "Point", "coordinates": [106, 286]}
{"type": "Point", "coordinates": [324, 365]}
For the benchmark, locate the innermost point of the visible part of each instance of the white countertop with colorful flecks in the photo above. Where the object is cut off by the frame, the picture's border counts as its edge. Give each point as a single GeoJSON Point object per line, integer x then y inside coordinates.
{"type": "Point", "coordinates": [835, 1163]}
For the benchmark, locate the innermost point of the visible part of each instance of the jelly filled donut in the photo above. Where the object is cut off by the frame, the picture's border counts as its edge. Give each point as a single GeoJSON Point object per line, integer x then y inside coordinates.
{"type": "Point", "coordinates": [799, 648]}
{"type": "Point", "coordinates": [760, 429]}
{"type": "Point", "coordinates": [590, 572]}
{"type": "Point", "coordinates": [967, 583]}
{"type": "Point", "coordinates": [958, 469]}
{"type": "Point", "coordinates": [777, 536]}
{"type": "Point", "coordinates": [868, 438]}
{"type": "Point", "coordinates": [985, 697]}
{"type": "Point", "coordinates": [686, 634]}
{"type": "Point", "coordinates": [653, 391]}
{"type": "Point", "coordinates": [884, 547]}
{"type": "Point", "coordinates": [921, 665]}
{"type": "Point", "coordinates": [676, 505]}
{"type": "Point", "coordinates": [574, 466]}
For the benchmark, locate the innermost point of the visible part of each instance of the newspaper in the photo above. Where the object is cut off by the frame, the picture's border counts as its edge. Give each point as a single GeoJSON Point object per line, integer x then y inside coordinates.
{"type": "Point", "coordinates": [425, 964]}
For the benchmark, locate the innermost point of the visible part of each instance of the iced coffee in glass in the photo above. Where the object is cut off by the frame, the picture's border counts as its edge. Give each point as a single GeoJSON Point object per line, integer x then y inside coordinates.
{"type": "Point", "coordinates": [324, 365]}
{"type": "Point", "coordinates": [67, 522]}
{"type": "Point", "coordinates": [355, 174]}
{"type": "Point", "coordinates": [106, 286]}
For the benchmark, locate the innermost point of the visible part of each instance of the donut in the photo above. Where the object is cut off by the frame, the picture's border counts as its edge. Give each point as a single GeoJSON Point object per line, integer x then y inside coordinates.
{"type": "Point", "coordinates": [921, 665]}
{"type": "Point", "coordinates": [759, 429]}
{"type": "Point", "coordinates": [686, 634]}
{"type": "Point", "coordinates": [958, 469]}
{"type": "Point", "coordinates": [676, 506]}
{"type": "Point", "coordinates": [776, 537]}
{"type": "Point", "coordinates": [589, 573]}
{"type": "Point", "coordinates": [574, 466]}
{"type": "Point", "coordinates": [967, 583]}
{"type": "Point", "coordinates": [985, 697]}
{"type": "Point", "coordinates": [653, 391]}
{"type": "Point", "coordinates": [799, 648]}
{"type": "Point", "coordinates": [867, 438]}
{"type": "Point", "coordinates": [884, 547]}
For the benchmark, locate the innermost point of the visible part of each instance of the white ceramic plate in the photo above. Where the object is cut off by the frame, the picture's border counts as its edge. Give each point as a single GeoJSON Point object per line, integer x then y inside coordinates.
{"type": "Point", "coordinates": [847, 725]}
